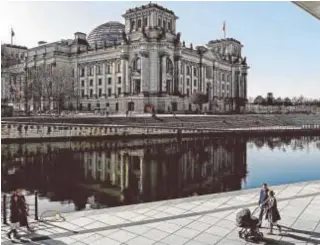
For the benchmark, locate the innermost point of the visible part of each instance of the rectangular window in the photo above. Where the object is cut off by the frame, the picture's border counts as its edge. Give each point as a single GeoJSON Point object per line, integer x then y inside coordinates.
{"type": "Point", "coordinates": [159, 22]}
{"type": "Point", "coordinates": [91, 93]}
{"type": "Point", "coordinates": [82, 83]}
{"type": "Point", "coordinates": [222, 86]}
{"type": "Point", "coordinates": [109, 92]}
{"type": "Point", "coordinates": [145, 21]}
{"type": "Point", "coordinates": [118, 67]}
{"type": "Point", "coordinates": [82, 93]}
{"type": "Point", "coordinates": [108, 70]}
{"type": "Point", "coordinates": [188, 92]}
{"type": "Point", "coordinates": [117, 106]}
{"type": "Point", "coordinates": [119, 80]}
{"type": "Point", "coordinates": [90, 71]}
{"type": "Point", "coordinates": [194, 71]}
{"type": "Point", "coordinates": [139, 23]}
{"type": "Point", "coordinates": [169, 25]}
{"type": "Point", "coordinates": [100, 92]}
{"type": "Point", "coordinates": [119, 91]}
{"type": "Point", "coordinates": [91, 82]}
{"type": "Point", "coordinates": [100, 81]}
{"type": "Point", "coordinates": [82, 72]}
{"type": "Point", "coordinates": [98, 69]}
{"type": "Point", "coordinates": [195, 83]}
{"type": "Point", "coordinates": [188, 81]}
{"type": "Point", "coordinates": [164, 24]}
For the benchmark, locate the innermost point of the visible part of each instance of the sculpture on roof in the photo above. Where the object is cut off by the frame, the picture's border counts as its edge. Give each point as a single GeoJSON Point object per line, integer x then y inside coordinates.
{"type": "Point", "coordinates": [162, 34]}
{"type": "Point", "coordinates": [183, 44]}
{"type": "Point", "coordinates": [244, 61]}
{"type": "Point", "coordinates": [124, 37]}
{"type": "Point", "coordinates": [144, 33]}
{"type": "Point", "coordinates": [177, 39]}
{"type": "Point", "coordinates": [191, 46]}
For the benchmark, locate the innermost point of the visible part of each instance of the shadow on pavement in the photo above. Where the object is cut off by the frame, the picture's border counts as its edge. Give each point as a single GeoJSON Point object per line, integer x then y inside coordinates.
{"type": "Point", "coordinates": [312, 233]}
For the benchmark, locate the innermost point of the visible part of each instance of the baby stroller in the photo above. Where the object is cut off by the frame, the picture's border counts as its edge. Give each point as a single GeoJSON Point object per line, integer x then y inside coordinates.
{"type": "Point", "coordinates": [249, 225]}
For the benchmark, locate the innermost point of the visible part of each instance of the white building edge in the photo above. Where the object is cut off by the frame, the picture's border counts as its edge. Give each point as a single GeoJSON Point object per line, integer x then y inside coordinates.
{"type": "Point", "coordinates": [133, 67]}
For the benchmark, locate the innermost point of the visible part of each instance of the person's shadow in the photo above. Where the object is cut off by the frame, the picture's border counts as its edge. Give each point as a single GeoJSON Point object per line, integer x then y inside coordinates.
{"type": "Point", "coordinates": [288, 233]}
{"type": "Point", "coordinates": [23, 240]}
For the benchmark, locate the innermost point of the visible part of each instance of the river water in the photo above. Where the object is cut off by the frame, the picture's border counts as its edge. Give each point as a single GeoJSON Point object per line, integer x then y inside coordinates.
{"type": "Point", "coordinates": [95, 174]}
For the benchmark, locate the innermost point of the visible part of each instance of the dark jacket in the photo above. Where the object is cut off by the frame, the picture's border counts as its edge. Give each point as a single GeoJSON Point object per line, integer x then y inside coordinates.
{"type": "Point", "coordinates": [14, 209]}
{"type": "Point", "coordinates": [263, 197]}
{"type": "Point", "coordinates": [272, 210]}
{"type": "Point", "coordinates": [23, 218]}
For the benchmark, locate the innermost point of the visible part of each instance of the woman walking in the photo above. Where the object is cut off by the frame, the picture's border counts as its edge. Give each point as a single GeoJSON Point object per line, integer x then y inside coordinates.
{"type": "Point", "coordinates": [23, 211]}
{"type": "Point", "coordinates": [273, 215]}
{"type": "Point", "coordinates": [14, 216]}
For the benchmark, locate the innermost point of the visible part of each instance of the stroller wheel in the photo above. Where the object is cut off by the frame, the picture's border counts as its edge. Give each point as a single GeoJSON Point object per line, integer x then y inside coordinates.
{"type": "Point", "coordinates": [240, 234]}
{"type": "Point", "coordinates": [260, 234]}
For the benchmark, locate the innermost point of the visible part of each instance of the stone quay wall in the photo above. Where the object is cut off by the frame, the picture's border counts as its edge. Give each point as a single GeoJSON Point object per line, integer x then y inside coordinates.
{"type": "Point", "coordinates": [28, 131]}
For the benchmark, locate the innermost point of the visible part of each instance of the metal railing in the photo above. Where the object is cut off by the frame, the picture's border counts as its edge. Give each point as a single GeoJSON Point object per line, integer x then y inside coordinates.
{"type": "Point", "coordinates": [5, 207]}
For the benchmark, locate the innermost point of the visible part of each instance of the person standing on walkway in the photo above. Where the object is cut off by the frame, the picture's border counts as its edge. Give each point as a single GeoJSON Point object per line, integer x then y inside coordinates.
{"type": "Point", "coordinates": [14, 216]}
{"type": "Point", "coordinates": [23, 210]}
{"type": "Point", "coordinates": [263, 201]}
{"type": "Point", "coordinates": [273, 214]}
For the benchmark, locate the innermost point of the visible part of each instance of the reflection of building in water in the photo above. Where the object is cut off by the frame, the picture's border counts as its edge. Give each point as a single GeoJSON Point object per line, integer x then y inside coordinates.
{"type": "Point", "coordinates": [133, 171]}
{"type": "Point", "coordinates": [167, 170]}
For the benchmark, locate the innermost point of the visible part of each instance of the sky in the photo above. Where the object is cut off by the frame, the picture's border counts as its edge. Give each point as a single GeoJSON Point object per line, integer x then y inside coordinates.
{"type": "Point", "coordinates": [281, 41]}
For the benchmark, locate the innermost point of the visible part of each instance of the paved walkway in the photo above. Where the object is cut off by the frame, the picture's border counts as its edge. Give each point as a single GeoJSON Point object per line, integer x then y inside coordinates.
{"type": "Point", "coordinates": [200, 220]}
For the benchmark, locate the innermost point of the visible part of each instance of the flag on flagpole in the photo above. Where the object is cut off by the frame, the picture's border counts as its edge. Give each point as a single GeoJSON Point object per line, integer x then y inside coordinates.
{"type": "Point", "coordinates": [224, 29]}
{"type": "Point", "coordinates": [12, 35]}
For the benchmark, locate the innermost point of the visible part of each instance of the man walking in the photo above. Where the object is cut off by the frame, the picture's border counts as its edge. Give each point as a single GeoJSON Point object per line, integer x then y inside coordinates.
{"type": "Point", "coordinates": [263, 201]}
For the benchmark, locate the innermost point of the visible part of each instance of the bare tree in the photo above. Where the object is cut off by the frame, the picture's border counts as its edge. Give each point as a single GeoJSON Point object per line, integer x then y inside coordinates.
{"type": "Point", "coordinates": [52, 86]}
{"type": "Point", "coordinates": [199, 99]}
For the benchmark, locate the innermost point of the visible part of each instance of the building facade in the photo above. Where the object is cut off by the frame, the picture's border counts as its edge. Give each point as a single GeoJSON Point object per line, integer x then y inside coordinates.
{"type": "Point", "coordinates": [137, 66]}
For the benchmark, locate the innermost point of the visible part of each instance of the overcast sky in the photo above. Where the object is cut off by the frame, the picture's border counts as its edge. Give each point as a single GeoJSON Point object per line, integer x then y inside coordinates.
{"type": "Point", "coordinates": [281, 41]}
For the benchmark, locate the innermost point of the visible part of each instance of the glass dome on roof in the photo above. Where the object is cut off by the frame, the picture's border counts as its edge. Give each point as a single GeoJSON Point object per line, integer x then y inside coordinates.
{"type": "Point", "coordinates": [109, 33]}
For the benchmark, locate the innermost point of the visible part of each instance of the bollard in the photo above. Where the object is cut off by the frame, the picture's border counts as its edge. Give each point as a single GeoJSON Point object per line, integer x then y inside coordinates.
{"type": "Point", "coordinates": [36, 205]}
{"type": "Point", "coordinates": [4, 209]}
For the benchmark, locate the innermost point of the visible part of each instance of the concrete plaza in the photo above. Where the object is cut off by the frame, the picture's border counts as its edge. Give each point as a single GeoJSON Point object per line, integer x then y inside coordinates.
{"type": "Point", "coordinates": [198, 220]}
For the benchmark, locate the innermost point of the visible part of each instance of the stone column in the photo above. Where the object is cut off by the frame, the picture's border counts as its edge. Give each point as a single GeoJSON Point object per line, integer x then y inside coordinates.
{"type": "Point", "coordinates": [95, 94]}
{"type": "Point", "coordinates": [123, 76]}
{"type": "Point", "coordinates": [114, 77]}
{"type": "Point", "coordinates": [144, 71]}
{"type": "Point", "coordinates": [86, 86]}
{"type": "Point", "coordinates": [154, 70]}
{"type": "Point", "coordinates": [104, 80]}
{"type": "Point", "coordinates": [179, 76]}
{"type": "Point", "coordinates": [164, 74]}
{"type": "Point", "coordinates": [127, 82]}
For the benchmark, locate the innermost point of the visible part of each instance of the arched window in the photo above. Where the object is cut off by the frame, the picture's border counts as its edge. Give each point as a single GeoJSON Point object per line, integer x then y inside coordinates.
{"type": "Point", "coordinates": [188, 70]}
{"type": "Point", "coordinates": [169, 25]}
{"type": "Point", "coordinates": [222, 77]}
{"type": "Point", "coordinates": [169, 66]}
{"type": "Point", "coordinates": [139, 23]}
{"type": "Point", "coordinates": [137, 64]}
{"type": "Point", "coordinates": [132, 25]}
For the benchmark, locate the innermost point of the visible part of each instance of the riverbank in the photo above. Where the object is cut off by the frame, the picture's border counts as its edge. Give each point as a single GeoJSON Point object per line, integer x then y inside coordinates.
{"type": "Point", "coordinates": [208, 219]}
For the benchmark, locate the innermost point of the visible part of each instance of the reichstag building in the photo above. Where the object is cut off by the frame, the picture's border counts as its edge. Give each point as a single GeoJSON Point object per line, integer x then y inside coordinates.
{"type": "Point", "coordinates": [137, 66]}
